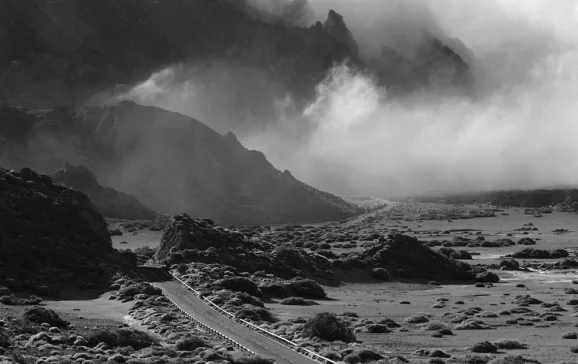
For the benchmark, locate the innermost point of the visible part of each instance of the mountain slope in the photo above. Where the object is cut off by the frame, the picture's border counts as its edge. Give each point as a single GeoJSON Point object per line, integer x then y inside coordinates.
{"type": "Point", "coordinates": [170, 162]}
{"type": "Point", "coordinates": [108, 201]}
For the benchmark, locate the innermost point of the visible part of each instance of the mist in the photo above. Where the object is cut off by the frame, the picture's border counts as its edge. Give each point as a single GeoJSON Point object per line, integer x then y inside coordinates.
{"type": "Point", "coordinates": [354, 138]}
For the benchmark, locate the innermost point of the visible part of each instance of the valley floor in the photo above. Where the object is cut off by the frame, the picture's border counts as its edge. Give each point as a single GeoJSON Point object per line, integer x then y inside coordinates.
{"type": "Point", "coordinates": [540, 328]}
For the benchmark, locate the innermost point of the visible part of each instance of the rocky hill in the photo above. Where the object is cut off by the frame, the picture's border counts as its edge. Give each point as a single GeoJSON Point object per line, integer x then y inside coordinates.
{"type": "Point", "coordinates": [108, 201]}
{"type": "Point", "coordinates": [50, 236]}
{"type": "Point", "coordinates": [170, 162]}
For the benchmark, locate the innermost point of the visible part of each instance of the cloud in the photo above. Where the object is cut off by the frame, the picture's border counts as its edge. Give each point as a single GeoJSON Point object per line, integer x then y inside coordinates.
{"type": "Point", "coordinates": [518, 131]}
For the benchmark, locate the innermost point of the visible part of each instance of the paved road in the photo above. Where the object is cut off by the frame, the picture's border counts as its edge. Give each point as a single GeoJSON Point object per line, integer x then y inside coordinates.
{"type": "Point", "coordinates": [244, 336]}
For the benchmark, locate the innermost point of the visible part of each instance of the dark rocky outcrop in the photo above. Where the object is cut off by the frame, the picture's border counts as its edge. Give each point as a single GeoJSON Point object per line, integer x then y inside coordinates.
{"type": "Point", "coordinates": [108, 201]}
{"type": "Point", "coordinates": [50, 235]}
{"type": "Point", "coordinates": [405, 256]}
{"type": "Point", "coordinates": [170, 162]}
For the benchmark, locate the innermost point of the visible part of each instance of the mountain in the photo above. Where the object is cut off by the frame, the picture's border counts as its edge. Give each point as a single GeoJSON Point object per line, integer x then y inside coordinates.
{"type": "Point", "coordinates": [168, 161]}
{"type": "Point", "coordinates": [108, 201]}
{"type": "Point", "coordinates": [64, 52]}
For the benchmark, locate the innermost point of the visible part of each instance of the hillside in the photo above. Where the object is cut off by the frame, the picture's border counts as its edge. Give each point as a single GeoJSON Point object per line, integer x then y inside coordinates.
{"type": "Point", "coordinates": [169, 162]}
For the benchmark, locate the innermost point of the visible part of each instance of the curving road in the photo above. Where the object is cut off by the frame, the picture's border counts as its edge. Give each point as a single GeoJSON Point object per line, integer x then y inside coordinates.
{"type": "Point", "coordinates": [197, 308]}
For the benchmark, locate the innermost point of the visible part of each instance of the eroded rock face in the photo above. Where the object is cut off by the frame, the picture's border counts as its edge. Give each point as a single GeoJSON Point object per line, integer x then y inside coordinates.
{"type": "Point", "coordinates": [184, 232]}
{"type": "Point", "coordinates": [109, 202]}
{"type": "Point", "coordinates": [405, 256]}
{"type": "Point", "coordinates": [49, 234]}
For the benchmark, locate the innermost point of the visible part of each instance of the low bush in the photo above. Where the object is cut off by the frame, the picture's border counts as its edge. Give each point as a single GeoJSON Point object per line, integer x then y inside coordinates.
{"type": "Point", "coordinates": [484, 347]}
{"type": "Point", "coordinates": [42, 315]}
{"type": "Point", "coordinates": [12, 300]}
{"type": "Point", "coordinates": [328, 326]}
{"type": "Point", "coordinates": [297, 301]}
{"type": "Point", "coordinates": [257, 314]}
{"type": "Point", "coordinates": [435, 326]}
{"type": "Point", "coordinates": [240, 284]}
{"type": "Point", "coordinates": [190, 343]}
{"type": "Point", "coordinates": [380, 273]}
{"type": "Point", "coordinates": [509, 345]}
{"type": "Point", "coordinates": [121, 337]}
{"type": "Point", "coordinates": [307, 288]}
{"type": "Point", "coordinates": [419, 318]}
{"type": "Point", "coordinates": [244, 358]}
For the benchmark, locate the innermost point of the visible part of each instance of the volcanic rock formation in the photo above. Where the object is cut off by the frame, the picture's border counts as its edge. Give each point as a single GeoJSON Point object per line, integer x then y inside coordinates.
{"type": "Point", "coordinates": [405, 256]}
{"type": "Point", "coordinates": [50, 235]}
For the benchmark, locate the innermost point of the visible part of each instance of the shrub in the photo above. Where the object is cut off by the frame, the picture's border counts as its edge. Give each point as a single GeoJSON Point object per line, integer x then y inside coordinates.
{"type": "Point", "coordinates": [122, 337]}
{"type": "Point", "coordinates": [509, 345]}
{"type": "Point", "coordinates": [307, 288]}
{"type": "Point", "coordinates": [487, 277]}
{"type": "Point", "coordinates": [42, 315]}
{"type": "Point", "coordinates": [331, 355]}
{"type": "Point", "coordinates": [484, 347]}
{"type": "Point", "coordinates": [352, 359]}
{"type": "Point", "coordinates": [367, 355]}
{"type": "Point", "coordinates": [240, 284]}
{"type": "Point", "coordinates": [380, 273]}
{"type": "Point", "coordinates": [509, 264]}
{"type": "Point", "coordinates": [5, 339]}
{"type": "Point", "coordinates": [377, 329]}
{"type": "Point", "coordinates": [12, 300]}
{"type": "Point", "coordinates": [250, 359]}
{"type": "Point", "coordinates": [182, 268]}
{"type": "Point", "coordinates": [190, 343]}
{"type": "Point", "coordinates": [350, 314]}
{"type": "Point", "coordinates": [297, 301]}
{"type": "Point", "coordinates": [254, 313]}
{"type": "Point", "coordinates": [435, 326]}
{"type": "Point", "coordinates": [328, 326]}
{"type": "Point", "coordinates": [419, 318]}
